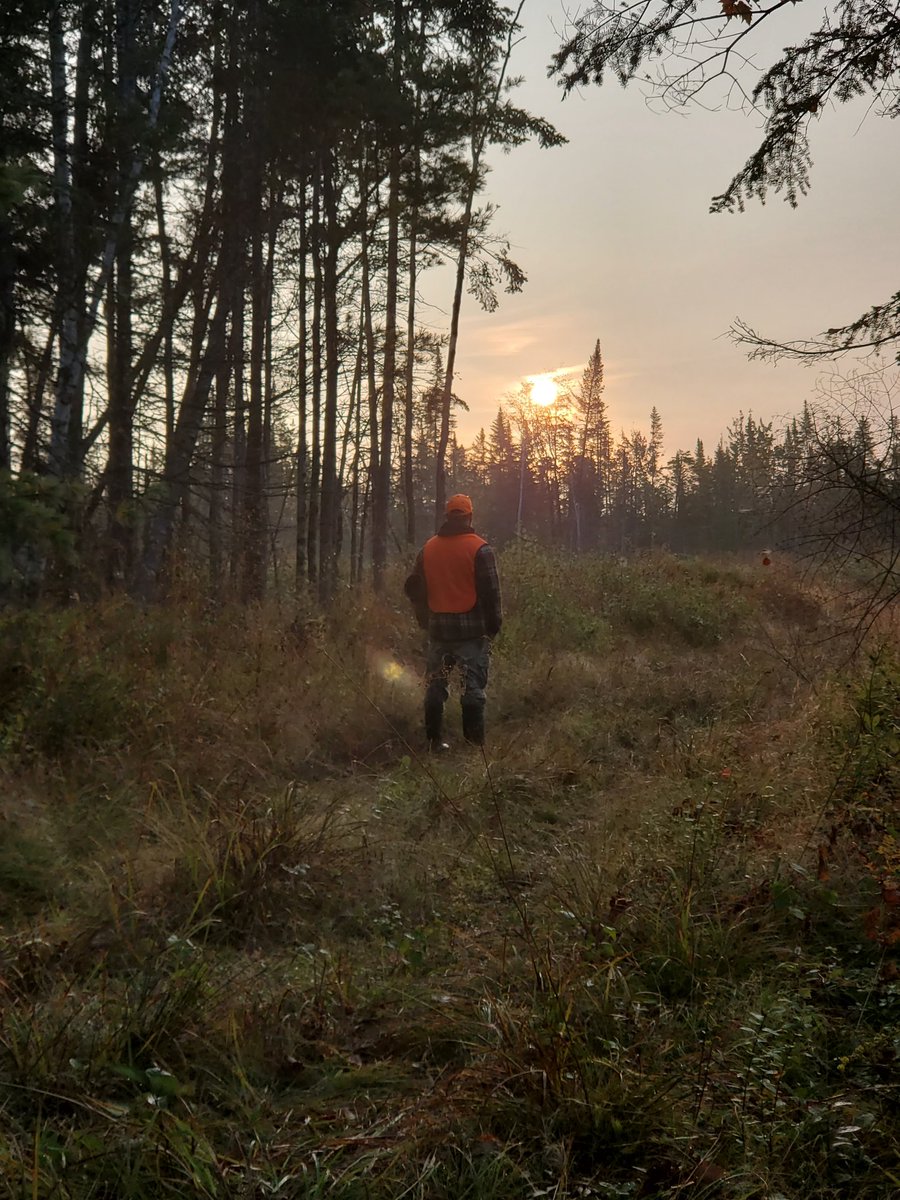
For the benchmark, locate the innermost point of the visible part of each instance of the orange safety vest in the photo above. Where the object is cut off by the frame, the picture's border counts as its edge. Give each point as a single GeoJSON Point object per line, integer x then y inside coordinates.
{"type": "Point", "coordinates": [450, 572]}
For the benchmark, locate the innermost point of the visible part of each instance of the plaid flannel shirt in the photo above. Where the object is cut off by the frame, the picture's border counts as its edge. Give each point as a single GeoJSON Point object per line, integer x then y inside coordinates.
{"type": "Point", "coordinates": [484, 620]}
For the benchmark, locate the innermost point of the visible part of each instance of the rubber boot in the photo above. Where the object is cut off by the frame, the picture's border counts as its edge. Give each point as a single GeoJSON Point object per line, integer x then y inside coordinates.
{"type": "Point", "coordinates": [473, 723]}
{"type": "Point", "coordinates": [434, 719]}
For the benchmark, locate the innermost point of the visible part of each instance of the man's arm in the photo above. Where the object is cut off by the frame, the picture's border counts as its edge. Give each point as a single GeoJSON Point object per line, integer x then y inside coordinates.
{"type": "Point", "coordinates": [487, 587]}
{"type": "Point", "coordinates": [416, 591]}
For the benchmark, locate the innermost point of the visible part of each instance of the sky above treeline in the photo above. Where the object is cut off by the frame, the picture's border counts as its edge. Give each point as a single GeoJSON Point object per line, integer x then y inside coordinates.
{"type": "Point", "coordinates": [614, 233]}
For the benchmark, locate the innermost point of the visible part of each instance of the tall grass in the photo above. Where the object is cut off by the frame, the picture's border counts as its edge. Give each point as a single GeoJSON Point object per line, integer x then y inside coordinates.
{"type": "Point", "coordinates": [256, 943]}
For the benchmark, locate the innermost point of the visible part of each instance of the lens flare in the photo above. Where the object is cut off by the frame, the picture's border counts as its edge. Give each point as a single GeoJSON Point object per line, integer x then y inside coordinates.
{"type": "Point", "coordinates": [391, 672]}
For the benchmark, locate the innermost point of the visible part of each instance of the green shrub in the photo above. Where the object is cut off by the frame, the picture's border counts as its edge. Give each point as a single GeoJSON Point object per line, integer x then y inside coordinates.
{"type": "Point", "coordinates": [549, 601]}
{"type": "Point", "coordinates": [36, 537]}
{"type": "Point", "coordinates": [577, 602]}
{"type": "Point", "coordinates": [56, 693]}
{"type": "Point", "coordinates": [657, 594]}
{"type": "Point", "coordinates": [30, 871]}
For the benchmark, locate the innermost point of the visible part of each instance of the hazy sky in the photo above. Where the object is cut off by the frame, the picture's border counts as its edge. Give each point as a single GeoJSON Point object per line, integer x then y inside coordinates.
{"type": "Point", "coordinates": [614, 233]}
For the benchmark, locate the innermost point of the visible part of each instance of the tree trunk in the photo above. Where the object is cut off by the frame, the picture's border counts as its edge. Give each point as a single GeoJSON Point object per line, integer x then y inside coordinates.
{"type": "Point", "coordinates": [354, 475]}
{"type": "Point", "coordinates": [121, 399]}
{"type": "Point", "coordinates": [165, 256]}
{"type": "Point", "coordinates": [302, 398]}
{"type": "Point", "coordinates": [381, 480]}
{"type": "Point", "coordinates": [224, 117]}
{"type": "Point", "coordinates": [234, 280]}
{"type": "Point", "coordinates": [312, 532]}
{"type": "Point", "coordinates": [381, 493]}
{"type": "Point", "coordinates": [481, 120]}
{"type": "Point", "coordinates": [7, 333]}
{"type": "Point", "coordinates": [218, 451]}
{"type": "Point", "coordinates": [409, 490]}
{"type": "Point", "coordinates": [236, 358]}
{"type": "Point", "coordinates": [30, 447]}
{"type": "Point", "coordinates": [70, 368]}
{"type": "Point", "coordinates": [253, 525]}
{"type": "Point", "coordinates": [409, 411]}
{"type": "Point", "coordinates": [369, 338]}
{"type": "Point", "coordinates": [179, 456]}
{"type": "Point", "coordinates": [328, 516]}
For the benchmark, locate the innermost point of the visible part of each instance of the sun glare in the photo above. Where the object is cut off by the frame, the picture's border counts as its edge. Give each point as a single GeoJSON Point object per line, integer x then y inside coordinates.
{"type": "Point", "coordinates": [543, 390]}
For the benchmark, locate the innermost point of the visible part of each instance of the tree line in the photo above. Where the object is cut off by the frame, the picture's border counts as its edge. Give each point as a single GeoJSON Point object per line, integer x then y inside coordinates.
{"type": "Point", "coordinates": [823, 483]}
{"type": "Point", "coordinates": [215, 219]}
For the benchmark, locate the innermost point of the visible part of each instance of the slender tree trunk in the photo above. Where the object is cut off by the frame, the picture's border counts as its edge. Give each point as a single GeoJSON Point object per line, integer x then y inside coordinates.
{"type": "Point", "coordinates": [363, 524]}
{"type": "Point", "coordinates": [179, 456]}
{"type": "Point", "coordinates": [328, 516]}
{"type": "Point", "coordinates": [381, 482]}
{"type": "Point", "coordinates": [302, 397]}
{"type": "Point", "coordinates": [218, 451]}
{"type": "Point", "coordinates": [312, 548]}
{"type": "Point", "coordinates": [481, 120]}
{"type": "Point", "coordinates": [120, 466]}
{"type": "Point", "coordinates": [274, 219]}
{"type": "Point", "coordinates": [354, 475]}
{"type": "Point", "coordinates": [121, 401]}
{"type": "Point", "coordinates": [409, 489]}
{"type": "Point", "coordinates": [224, 114]}
{"type": "Point", "coordinates": [369, 337]}
{"type": "Point", "coordinates": [202, 303]}
{"type": "Point", "coordinates": [234, 283]}
{"type": "Point", "coordinates": [30, 449]}
{"type": "Point", "coordinates": [239, 471]}
{"type": "Point", "coordinates": [440, 492]}
{"type": "Point", "coordinates": [381, 494]}
{"type": "Point", "coordinates": [253, 524]}
{"type": "Point", "coordinates": [352, 421]}
{"type": "Point", "coordinates": [253, 528]}
{"type": "Point", "coordinates": [192, 271]}
{"type": "Point", "coordinates": [193, 267]}
{"type": "Point", "coordinates": [7, 332]}
{"type": "Point", "coordinates": [168, 341]}
{"type": "Point", "coordinates": [70, 379]}
{"type": "Point", "coordinates": [83, 213]}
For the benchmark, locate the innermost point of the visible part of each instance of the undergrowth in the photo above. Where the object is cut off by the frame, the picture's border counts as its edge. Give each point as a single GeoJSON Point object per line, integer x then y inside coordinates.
{"type": "Point", "coordinates": [256, 943]}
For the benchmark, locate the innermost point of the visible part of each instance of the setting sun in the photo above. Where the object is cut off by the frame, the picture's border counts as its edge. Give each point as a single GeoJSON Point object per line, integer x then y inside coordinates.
{"type": "Point", "coordinates": [543, 390]}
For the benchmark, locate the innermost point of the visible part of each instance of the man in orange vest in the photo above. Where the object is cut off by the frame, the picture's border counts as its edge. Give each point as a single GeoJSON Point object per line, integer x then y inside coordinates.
{"type": "Point", "coordinates": [455, 591]}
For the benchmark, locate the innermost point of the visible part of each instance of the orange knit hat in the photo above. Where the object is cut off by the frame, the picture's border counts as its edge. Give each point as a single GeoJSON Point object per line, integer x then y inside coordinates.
{"type": "Point", "coordinates": [459, 504]}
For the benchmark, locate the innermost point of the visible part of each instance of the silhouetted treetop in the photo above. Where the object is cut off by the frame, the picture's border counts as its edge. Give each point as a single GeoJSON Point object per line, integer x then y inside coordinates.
{"type": "Point", "coordinates": [704, 48]}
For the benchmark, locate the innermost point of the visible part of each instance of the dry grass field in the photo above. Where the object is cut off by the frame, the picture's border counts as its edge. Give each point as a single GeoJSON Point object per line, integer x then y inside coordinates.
{"type": "Point", "coordinates": [254, 942]}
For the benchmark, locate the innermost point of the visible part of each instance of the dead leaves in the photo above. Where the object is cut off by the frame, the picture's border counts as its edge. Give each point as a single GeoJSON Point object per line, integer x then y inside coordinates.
{"type": "Point", "coordinates": [737, 8]}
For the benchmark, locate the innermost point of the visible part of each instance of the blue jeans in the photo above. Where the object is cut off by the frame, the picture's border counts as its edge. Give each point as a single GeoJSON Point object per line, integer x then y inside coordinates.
{"type": "Point", "coordinates": [472, 659]}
